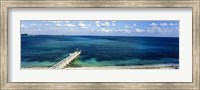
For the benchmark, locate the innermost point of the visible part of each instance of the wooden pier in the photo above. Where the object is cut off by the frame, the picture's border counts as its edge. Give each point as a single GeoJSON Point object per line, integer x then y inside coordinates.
{"type": "Point", "coordinates": [66, 61]}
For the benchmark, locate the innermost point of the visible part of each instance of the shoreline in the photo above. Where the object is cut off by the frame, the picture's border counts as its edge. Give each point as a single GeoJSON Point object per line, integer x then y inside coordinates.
{"type": "Point", "coordinates": [159, 66]}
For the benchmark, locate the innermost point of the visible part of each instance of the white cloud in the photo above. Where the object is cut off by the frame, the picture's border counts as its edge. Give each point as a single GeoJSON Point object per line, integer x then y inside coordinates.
{"type": "Point", "coordinates": [58, 25]}
{"type": "Point", "coordinates": [69, 25]}
{"type": "Point", "coordinates": [97, 23]}
{"type": "Point", "coordinates": [177, 28]}
{"type": "Point", "coordinates": [123, 31]}
{"type": "Point", "coordinates": [153, 24]}
{"type": "Point", "coordinates": [105, 30]}
{"type": "Point", "coordinates": [105, 24]}
{"type": "Point", "coordinates": [163, 24]}
{"type": "Point", "coordinates": [33, 24]}
{"type": "Point", "coordinates": [82, 25]}
{"type": "Point", "coordinates": [166, 30]}
{"type": "Point", "coordinates": [153, 29]}
{"type": "Point", "coordinates": [127, 31]}
{"type": "Point", "coordinates": [120, 30]}
{"type": "Point", "coordinates": [171, 24]}
{"type": "Point", "coordinates": [134, 25]}
{"type": "Point", "coordinates": [160, 30]}
{"type": "Point", "coordinates": [126, 26]}
{"type": "Point", "coordinates": [139, 30]}
{"type": "Point", "coordinates": [22, 26]}
{"type": "Point", "coordinates": [46, 24]}
{"type": "Point", "coordinates": [113, 24]}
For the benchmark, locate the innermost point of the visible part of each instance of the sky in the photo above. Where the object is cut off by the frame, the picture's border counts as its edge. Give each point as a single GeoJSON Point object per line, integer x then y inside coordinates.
{"type": "Point", "coordinates": [148, 28]}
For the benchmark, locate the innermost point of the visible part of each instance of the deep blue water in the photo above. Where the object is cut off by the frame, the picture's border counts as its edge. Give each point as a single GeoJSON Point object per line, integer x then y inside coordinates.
{"type": "Point", "coordinates": [45, 51]}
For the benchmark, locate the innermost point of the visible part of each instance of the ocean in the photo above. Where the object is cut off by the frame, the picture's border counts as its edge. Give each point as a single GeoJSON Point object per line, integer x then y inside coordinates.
{"type": "Point", "coordinates": [47, 50]}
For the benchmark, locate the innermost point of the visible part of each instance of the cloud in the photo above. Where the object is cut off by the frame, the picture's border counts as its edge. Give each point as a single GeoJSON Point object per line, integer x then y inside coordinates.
{"type": "Point", "coordinates": [153, 29]}
{"type": "Point", "coordinates": [97, 23]}
{"type": "Point", "coordinates": [177, 28]}
{"type": "Point", "coordinates": [160, 30]}
{"type": "Point", "coordinates": [167, 30]}
{"type": "Point", "coordinates": [105, 30]}
{"type": "Point", "coordinates": [33, 24]}
{"type": "Point", "coordinates": [46, 24]}
{"type": "Point", "coordinates": [163, 24]}
{"type": "Point", "coordinates": [127, 31]}
{"type": "Point", "coordinates": [126, 26]}
{"type": "Point", "coordinates": [119, 30]}
{"type": "Point", "coordinates": [58, 25]}
{"type": "Point", "coordinates": [123, 31]}
{"type": "Point", "coordinates": [81, 25]}
{"type": "Point", "coordinates": [22, 26]}
{"type": "Point", "coordinates": [153, 24]}
{"type": "Point", "coordinates": [139, 30]}
{"type": "Point", "coordinates": [134, 25]}
{"type": "Point", "coordinates": [173, 24]}
{"type": "Point", "coordinates": [163, 30]}
{"type": "Point", "coordinates": [113, 24]}
{"type": "Point", "coordinates": [106, 24]}
{"type": "Point", "coordinates": [69, 25]}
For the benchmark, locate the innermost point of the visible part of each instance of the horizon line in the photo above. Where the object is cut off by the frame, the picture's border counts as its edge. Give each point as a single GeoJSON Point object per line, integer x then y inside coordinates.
{"type": "Point", "coordinates": [100, 35]}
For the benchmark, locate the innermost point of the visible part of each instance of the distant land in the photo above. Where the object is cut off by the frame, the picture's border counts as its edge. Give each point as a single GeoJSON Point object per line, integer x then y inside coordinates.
{"type": "Point", "coordinates": [24, 34]}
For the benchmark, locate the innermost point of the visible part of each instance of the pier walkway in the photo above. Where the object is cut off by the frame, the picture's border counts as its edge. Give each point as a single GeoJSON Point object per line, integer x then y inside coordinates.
{"type": "Point", "coordinates": [66, 61]}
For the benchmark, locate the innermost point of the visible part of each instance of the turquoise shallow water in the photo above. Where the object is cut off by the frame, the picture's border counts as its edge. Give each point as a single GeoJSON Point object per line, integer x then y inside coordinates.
{"type": "Point", "coordinates": [45, 51]}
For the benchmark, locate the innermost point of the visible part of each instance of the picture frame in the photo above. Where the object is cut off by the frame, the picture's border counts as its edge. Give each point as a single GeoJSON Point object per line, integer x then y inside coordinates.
{"type": "Point", "coordinates": [7, 4]}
